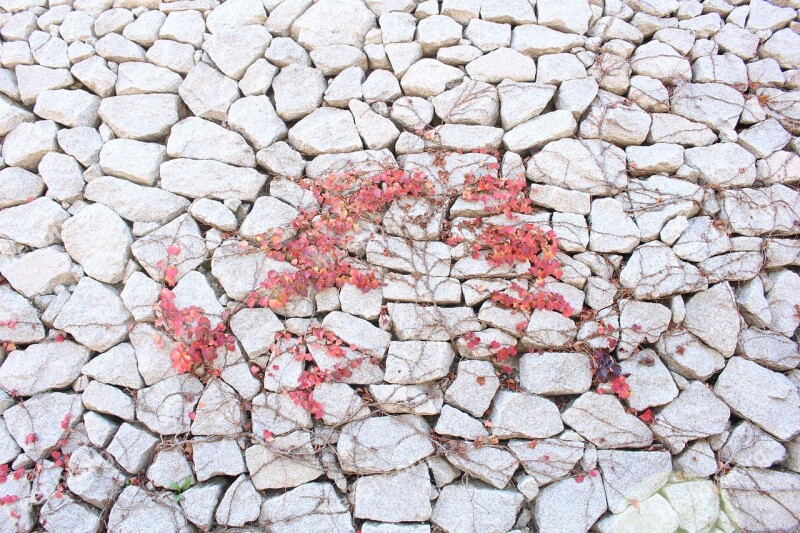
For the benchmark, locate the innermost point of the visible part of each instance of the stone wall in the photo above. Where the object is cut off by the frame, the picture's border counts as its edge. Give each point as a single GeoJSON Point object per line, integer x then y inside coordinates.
{"type": "Point", "coordinates": [157, 158]}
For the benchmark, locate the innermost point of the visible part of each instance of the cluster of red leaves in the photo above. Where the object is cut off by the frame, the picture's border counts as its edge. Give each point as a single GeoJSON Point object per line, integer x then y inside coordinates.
{"type": "Point", "coordinates": [528, 301]}
{"type": "Point", "coordinates": [607, 370]}
{"type": "Point", "coordinates": [317, 338]}
{"type": "Point", "coordinates": [197, 341]}
{"type": "Point", "coordinates": [513, 243]}
{"type": "Point", "coordinates": [500, 352]}
{"type": "Point", "coordinates": [580, 477]}
{"type": "Point", "coordinates": [498, 194]}
{"type": "Point", "coordinates": [322, 234]}
{"type": "Point", "coordinates": [10, 324]}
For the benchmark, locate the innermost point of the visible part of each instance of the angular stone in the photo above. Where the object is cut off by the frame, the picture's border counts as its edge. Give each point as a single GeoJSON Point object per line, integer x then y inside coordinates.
{"type": "Point", "coordinates": [398, 497]}
{"type": "Point", "coordinates": [696, 413]}
{"type": "Point", "coordinates": [95, 316]}
{"type": "Point", "coordinates": [219, 411]}
{"type": "Point", "coordinates": [760, 500]}
{"type": "Point", "coordinates": [459, 505]}
{"type": "Point", "coordinates": [632, 476]}
{"type": "Point", "coordinates": [654, 513]}
{"type": "Point", "coordinates": [713, 104]}
{"type": "Point", "coordinates": [26, 144]}
{"type": "Point", "coordinates": [310, 507]}
{"type": "Point", "coordinates": [286, 462]}
{"type": "Point", "coordinates": [429, 77]}
{"type": "Point", "coordinates": [255, 329]}
{"type": "Point", "coordinates": [38, 272]}
{"type": "Point", "coordinates": [142, 78]}
{"type": "Point", "coordinates": [569, 506]}
{"type": "Point", "coordinates": [352, 330]}
{"type": "Point", "coordinates": [571, 16]}
{"type": "Point", "coordinates": [748, 445]}
{"type": "Point", "coordinates": [137, 507]}
{"type": "Point", "coordinates": [142, 117]}
{"type": "Point", "coordinates": [602, 420]}
{"type": "Point", "coordinates": [490, 465]}
{"type": "Point", "coordinates": [134, 202]}
{"type": "Point", "coordinates": [326, 130]}
{"type": "Point", "coordinates": [15, 308]}
{"type": "Point", "coordinates": [552, 373]}
{"type": "Point", "coordinates": [474, 387]}
{"type": "Point", "coordinates": [233, 50]}
{"type": "Point", "coordinates": [611, 229]}
{"type": "Point", "coordinates": [550, 459]}
{"type": "Point", "coordinates": [217, 457]}
{"type": "Point", "coordinates": [156, 250]}
{"type": "Point", "coordinates": [383, 444]}
{"type": "Point", "coordinates": [377, 132]}
{"type": "Point", "coordinates": [19, 185]}
{"type": "Point", "coordinates": [165, 407]}
{"type": "Point", "coordinates": [718, 301]}
{"type": "Point", "coordinates": [93, 478]}
{"type": "Point", "coordinates": [723, 165]}
{"type": "Point", "coordinates": [768, 349]}
{"type": "Point", "coordinates": [417, 362]}
{"type": "Point", "coordinates": [333, 22]}
{"type": "Point", "coordinates": [590, 166]}
{"type": "Point", "coordinates": [548, 329]}
{"type": "Point", "coordinates": [521, 415]}
{"type": "Point", "coordinates": [415, 322]}
{"type": "Point", "coordinates": [654, 271]}
{"type": "Point", "coordinates": [70, 108]}
{"type": "Point", "coordinates": [117, 366]}
{"type": "Point", "coordinates": [64, 513]}
{"type": "Point", "coordinates": [219, 180]}
{"type": "Point", "coordinates": [208, 93]}
{"type": "Point", "coordinates": [766, 398]}
{"type": "Point", "coordinates": [42, 416]}
{"type": "Point", "coordinates": [255, 118]}
{"type": "Point", "coordinates": [298, 91]}
{"type": "Point", "coordinates": [662, 62]}
{"type": "Point", "coordinates": [501, 64]}
{"type": "Point", "coordinates": [132, 160]}
{"type": "Point", "coordinates": [42, 367]}
{"type": "Point", "coordinates": [539, 131]}
{"type": "Point", "coordinates": [169, 468]}
{"type": "Point", "coordinates": [195, 138]}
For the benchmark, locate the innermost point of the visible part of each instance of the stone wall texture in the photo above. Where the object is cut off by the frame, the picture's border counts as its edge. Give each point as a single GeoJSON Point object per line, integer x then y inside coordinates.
{"type": "Point", "coordinates": [153, 151]}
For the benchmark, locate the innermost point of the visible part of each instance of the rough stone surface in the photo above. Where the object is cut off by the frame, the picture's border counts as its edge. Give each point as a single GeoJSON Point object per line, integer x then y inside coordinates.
{"type": "Point", "coordinates": [204, 153]}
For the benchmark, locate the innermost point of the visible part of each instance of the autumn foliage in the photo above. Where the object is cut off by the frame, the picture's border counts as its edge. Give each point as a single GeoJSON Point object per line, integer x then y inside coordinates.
{"type": "Point", "coordinates": [320, 250]}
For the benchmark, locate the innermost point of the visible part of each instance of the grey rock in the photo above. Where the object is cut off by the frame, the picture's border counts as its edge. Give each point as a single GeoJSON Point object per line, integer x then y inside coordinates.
{"type": "Point", "coordinates": [310, 507]}
{"type": "Point", "coordinates": [718, 301]}
{"type": "Point", "coordinates": [521, 415]}
{"type": "Point", "coordinates": [569, 506]}
{"type": "Point", "coordinates": [552, 373]}
{"type": "Point", "coordinates": [42, 367]}
{"type": "Point", "coordinates": [208, 93]}
{"type": "Point", "coordinates": [458, 508]}
{"type": "Point", "coordinates": [383, 444]}
{"type": "Point", "coordinates": [142, 117]}
{"type": "Point", "coordinates": [165, 406]}
{"type": "Point", "coordinates": [602, 420]}
{"type": "Point", "coordinates": [632, 476]}
{"type": "Point", "coordinates": [766, 398]}
{"type": "Point", "coordinates": [220, 181]}
{"type": "Point", "coordinates": [42, 416]}
{"type": "Point", "coordinates": [402, 496]}
{"type": "Point", "coordinates": [755, 498]}
{"type": "Point", "coordinates": [137, 507]}
{"type": "Point", "coordinates": [696, 413]}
